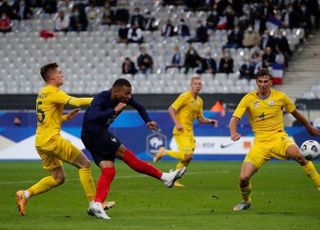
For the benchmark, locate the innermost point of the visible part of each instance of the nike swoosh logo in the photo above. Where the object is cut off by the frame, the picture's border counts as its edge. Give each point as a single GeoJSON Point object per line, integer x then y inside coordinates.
{"type": "Point", "coordinates": [225, 145]}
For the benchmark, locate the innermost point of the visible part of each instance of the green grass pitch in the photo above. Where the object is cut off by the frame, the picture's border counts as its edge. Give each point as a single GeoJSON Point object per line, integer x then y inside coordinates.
{"type": "Point", "coordinates": [283, 198]}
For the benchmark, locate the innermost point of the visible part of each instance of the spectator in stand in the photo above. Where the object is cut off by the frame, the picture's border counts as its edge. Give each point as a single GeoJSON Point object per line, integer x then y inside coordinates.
{"type": "Point", "coordinates": [128, 67]}
{"type": "Point", "coordinates": [306, 21]}
{"type": "Point", "coordinates": [137, 18]}
{"type": "Point", "coordinates": [5, 8]}
{"type": "Point", "coordinates": [62, 21]}
{"type": "Point", "coordinates": [92, 16]}
{"type": "Point", "coordinates": [177, 59]}
{"type": "Point", "coordinates": [256, 59]}
{"type": "Point", "coordinates": [5, 23]}
{"type": "Point", "coordinates": [267, 40]}
{"type": "Point", "coordinates": [66, 5]}
{"type": "Point", "coordinates": [235, 38]}
{"type": "Point", "coordinates": [230, 16]}
{"type": "Point", "coordinates": [314, 9]}
{"type": "Point", "coordinates": [268, 58]}
{"type": "Point", "coordinates": [212, 20]}
{"type": "Point", "coordinates": [15, 10]}
{"type": "Point", "coordinates": [122, 15]}
{"type": "Point", "coordinates": [293, 15]}
{"type": "Point", "coordinates": [246, 70]}
{"type": "Point", "coordinates": [108, 17]}
{"type": "Point", "coordinates": [145, 61]}
{"type": "Point", "coordinates": [226, 62]}
{"type": "Point", "coordinates": [201, 33]}
{"type": "Point", "coordinates": [282, 45]}
{"type": "Point", "coordinates": [280, 59]}
{"type": "Point", "coordinates": [192, 59]}
{"type": "Point", "coordinates": [135, 34]}
{"type": "Point", "coordinates": [122, 33]}
{"type": "Point", "coordinates": [50, 7]}
{"type": "Point", "coordinates": [167, 29]}
{"type": "Point", "coordinates": [150, 23]}
{"type": "Point", "coordinates": [251, 38]}
{"type": "Point", "coordinates": [78, 19]}
{"type": "Point", "coordinates": [182, 30]}
{"type": "Point", "coordinates": [208, 64]}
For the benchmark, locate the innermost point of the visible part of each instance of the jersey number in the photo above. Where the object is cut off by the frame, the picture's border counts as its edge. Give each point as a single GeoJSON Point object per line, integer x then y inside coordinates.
{"type": "Point", "coordinates": [40, 113]}
{"type": "Point", "coordinates": [261, 117]}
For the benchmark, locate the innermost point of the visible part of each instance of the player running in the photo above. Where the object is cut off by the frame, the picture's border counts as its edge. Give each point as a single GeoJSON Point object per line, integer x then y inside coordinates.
{"type": "Point", "coordinates": [183, 111]}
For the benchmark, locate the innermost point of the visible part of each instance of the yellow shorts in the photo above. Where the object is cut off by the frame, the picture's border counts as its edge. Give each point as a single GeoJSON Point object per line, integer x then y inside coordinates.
{"type": "Point", "coordinates": [263, 151]}
{"type": "Point", "coordinates": [56, 150]}
{"type": "Point", "coordinates": [186, 143]}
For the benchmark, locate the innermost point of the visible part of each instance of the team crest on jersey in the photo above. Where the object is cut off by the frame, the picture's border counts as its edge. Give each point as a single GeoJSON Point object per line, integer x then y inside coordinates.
{"type": "Point", "coordinates": [271, 103]}
{"type": "Point", "coordinates": [256, 104]}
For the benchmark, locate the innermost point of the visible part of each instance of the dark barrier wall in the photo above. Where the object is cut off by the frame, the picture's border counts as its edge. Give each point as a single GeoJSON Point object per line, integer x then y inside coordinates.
{"type": "Point", "coordinates": [309, 104]}
{"type": "Point", "coordinates": [150, 101]}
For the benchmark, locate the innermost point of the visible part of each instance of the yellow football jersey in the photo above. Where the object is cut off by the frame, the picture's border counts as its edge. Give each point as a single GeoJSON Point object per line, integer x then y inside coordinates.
{"type": "Point", "coordinates": [266, 116]}
{"type": "Point", "coordinates": [188, 108]}
{"type": "Point", "coordinates": [49, 108]}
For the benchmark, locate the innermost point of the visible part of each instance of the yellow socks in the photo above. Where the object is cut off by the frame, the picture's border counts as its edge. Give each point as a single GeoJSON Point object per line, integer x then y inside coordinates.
{"type": "Point", "coordinates": [311, 172]}
{"type": "Point", "coordinates": [87, 183]}
{"type": "Point", "coordinates": [245, 193]}
{"type": "Point", "coordinates": [44, 185]}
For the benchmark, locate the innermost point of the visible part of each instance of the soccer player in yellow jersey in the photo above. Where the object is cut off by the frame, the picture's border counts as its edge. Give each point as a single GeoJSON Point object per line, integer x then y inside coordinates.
{"type": "Point", "coordinates": [51, 146]}
{"type": "Point", "coordinates": [265, 108]}
{"type": "Point", "coordinates": [183, 111]}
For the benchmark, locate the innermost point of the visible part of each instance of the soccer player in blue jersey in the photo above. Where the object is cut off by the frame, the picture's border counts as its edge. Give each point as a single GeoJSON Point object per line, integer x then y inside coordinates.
{"type": "Point", "coordinates": [105, 147]}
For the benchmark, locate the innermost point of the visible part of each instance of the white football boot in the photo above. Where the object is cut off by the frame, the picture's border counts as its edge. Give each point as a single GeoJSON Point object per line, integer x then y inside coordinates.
{"type": "Point", "coordinates": [96, 209]}
{"type": "Point", "coordinates": [173, 176]}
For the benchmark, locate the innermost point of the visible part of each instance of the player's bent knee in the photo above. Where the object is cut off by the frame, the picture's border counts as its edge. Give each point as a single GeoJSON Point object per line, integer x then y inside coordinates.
{"type": "Point", "coordinates": [188, 158]}
{"type": "Point", "coordinates": [244, 179]}
{"type": "Point", "coordinates": [300, 159]}
{"type": "Point", "coordinates": [60, 179]}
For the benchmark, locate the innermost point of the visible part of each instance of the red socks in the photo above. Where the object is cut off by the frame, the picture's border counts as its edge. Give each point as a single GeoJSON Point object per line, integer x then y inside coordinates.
{"type": "Point", "coordinates": [103, 185]}
{"type": "Point", "coordinates": [141, 166]}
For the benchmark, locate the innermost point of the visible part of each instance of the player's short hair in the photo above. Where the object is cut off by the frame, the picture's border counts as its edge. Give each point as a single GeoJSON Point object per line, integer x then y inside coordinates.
{"type": "Point", "coordinates": [121, 82]}
{"type": "Point", "coordinates": [46, 70]}
{"type": "Point", "coordinates": [195, 77]}
{"type": "Point", "coordinates": [263, 72]}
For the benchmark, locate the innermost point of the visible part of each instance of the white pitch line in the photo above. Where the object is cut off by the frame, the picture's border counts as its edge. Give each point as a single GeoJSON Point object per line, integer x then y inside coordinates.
{"type": "Point", "coordinates": [117, 177]}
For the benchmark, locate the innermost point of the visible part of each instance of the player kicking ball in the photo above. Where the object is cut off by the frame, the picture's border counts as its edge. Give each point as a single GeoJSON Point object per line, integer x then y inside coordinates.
{"type": "Point", "coordinates": [105, 147]}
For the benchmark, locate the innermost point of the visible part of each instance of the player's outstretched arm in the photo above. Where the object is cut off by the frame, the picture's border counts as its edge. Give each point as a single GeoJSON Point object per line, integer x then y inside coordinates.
{"type": "Point", "coordinates": [77, 102]}
{"type": "Point", "coordinates": [70, 115]}
{"type": "Point", "coordinates": [311, 129]}
{"type": "Point", "coordinates": [233, 126]}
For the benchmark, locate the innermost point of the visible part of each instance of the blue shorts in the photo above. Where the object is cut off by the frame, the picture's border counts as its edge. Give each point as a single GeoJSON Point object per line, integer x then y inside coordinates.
{"type": "Point", "coordinates": [102, 147]}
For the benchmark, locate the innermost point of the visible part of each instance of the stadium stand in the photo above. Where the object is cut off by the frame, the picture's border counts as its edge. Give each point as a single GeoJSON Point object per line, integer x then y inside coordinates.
{"type": "Point", "coordinates": [91, 59]}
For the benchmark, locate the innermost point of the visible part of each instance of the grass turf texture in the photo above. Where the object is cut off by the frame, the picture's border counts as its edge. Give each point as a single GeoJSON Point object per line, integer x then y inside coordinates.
{"type": "Point", "coordinates": [283, 198]}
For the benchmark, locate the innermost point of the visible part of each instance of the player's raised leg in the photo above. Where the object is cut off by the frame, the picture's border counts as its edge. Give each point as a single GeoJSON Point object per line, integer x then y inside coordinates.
{"type": "Point", "coordinates": [145, 168]}
{"type": "Point", "coordinates": [308, 167]}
